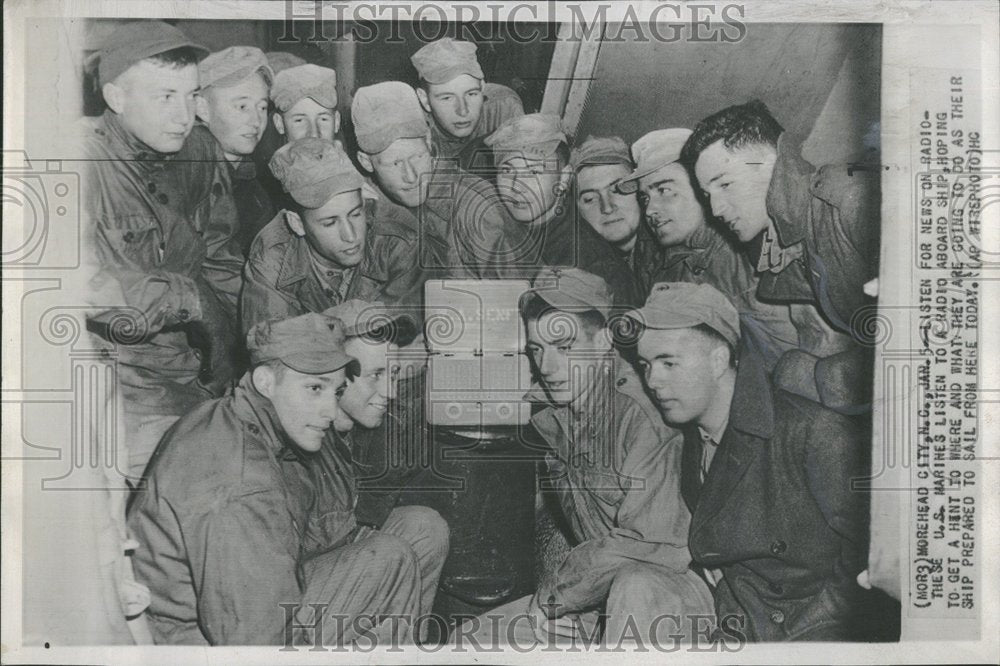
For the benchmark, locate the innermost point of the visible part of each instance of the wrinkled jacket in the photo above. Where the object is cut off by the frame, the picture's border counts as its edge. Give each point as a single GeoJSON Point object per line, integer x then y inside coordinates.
{"type": "Point", "coordinates": [616, 467]}
{"type": "Point", "coordinates": [834, 212]}
{"type": "Point", "coordinates": [281, 282]}
{"type": "Point", "coordinates": [157, 224]}
{"type": "Point", "coordinates": [462, 226]}
{"type": "Point", "coordinates": [708, 257]}
{"type": "Point", "coordinates": [777, 513]}
{"type": "Point", "coordinates": [500, 104]}
{"type": "Point", "coordinates": [231, 512]}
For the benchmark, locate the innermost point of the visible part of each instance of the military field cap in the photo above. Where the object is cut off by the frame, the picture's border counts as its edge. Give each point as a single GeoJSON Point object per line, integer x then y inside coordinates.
{"type": "Point", "coordinates": [296, 83]}
{"type": "Point", "coordinates": [311, 343]}
{"type": "Point", "coordinates": [654, 151]}
{"type": "Point", "coordinates": [443, 60]}
{"type": "Point", "coordinates": [230, 66]}
{"type": "Point", "coordinates": [137, 40]}
{"type": "Point", "coordinates": [385, 112]}
{"type": "Point", "coordinates": [360, 317]}
{"type": "Point", "coordinates": [597, 150]}
{"type": "Point", "coordinates": [280, 60]}
{"type": "Point", "coordinates": [685, 305]}
{"type": "Point", "coordinates": [572, 290]}
{"type": "Point", "coordinates": [534, 134]}
{"type": "Point", "coordinates": [313, 170]}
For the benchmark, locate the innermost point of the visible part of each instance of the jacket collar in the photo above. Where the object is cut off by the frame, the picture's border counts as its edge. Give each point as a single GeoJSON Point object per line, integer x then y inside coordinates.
{"type": "Point", "coordinates": [752, 408]}
{"type": "Point", "coordinates": [296, 264]}
{"type": "Point", "coordinates": [128, 147]}
{"type": "Point", "coordinates": [256, 410]}
{"type": "Point", "coordinates": [788, 195]}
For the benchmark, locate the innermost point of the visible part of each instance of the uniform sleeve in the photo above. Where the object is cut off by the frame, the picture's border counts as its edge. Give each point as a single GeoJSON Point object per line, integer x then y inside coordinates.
{"type": "Point", "coordinates": [260, 300]}
{"type": "Point", "coordinates": [479, 230]}
{"type": "Point", "coordinates": [652, 520]}
{"type": "Point", "coordinates": [243, 569]}
{"type": "Point", "coordinates": [835, 457]}
{"type": "Point", "coordinates": [405, 273]}
{"type": "Point", "coordinates": [156, 298]}
{"type": "Point", "coordinates": [223, 264]}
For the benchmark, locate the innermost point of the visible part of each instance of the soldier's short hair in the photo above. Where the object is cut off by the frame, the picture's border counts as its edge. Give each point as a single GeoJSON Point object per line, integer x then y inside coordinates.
{"type": "Point", "coordinates": [736, 126]}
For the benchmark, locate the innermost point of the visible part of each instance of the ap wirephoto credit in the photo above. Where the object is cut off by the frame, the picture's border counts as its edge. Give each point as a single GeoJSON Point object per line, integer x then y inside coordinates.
{"type": "Point", "coordinates": [515, 332]}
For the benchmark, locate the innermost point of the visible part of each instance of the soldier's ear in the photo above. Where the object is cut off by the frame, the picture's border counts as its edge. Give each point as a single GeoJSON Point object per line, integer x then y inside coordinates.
{"type": "Point", "coordinates": [336, 121]}
{"type": "Point", "coordinates": [279, 123]}
{"type": "Point", "coordinates": [425, 101]}
{"type": "Point", "coordinates": [294, 222]}
{"type": "Point", "coordinates": [202, 109]}
{"type": "Point", "coordinates": [365, 160]}
{"type": "Point", "coordinates": [114, 95]}
{"type": "Point", "coordinates": [263, 378]}
{"type": "Point", "coordinates": [719, 357]}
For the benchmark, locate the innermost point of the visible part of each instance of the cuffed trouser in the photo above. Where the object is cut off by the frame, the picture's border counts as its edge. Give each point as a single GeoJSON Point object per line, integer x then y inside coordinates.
{"type": "Point", "coordinates": [646, 604]}
{"type": "Point", "coordinates": [378, 586]}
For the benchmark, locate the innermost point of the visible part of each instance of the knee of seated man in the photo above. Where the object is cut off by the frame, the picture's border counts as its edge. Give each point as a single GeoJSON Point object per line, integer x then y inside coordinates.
{"type": "Point", "coordinates": [387, 552]}
{"type": "Point", "coordinates": [428, 523]}
{"type": "Point", "coordinates": [635, 582]}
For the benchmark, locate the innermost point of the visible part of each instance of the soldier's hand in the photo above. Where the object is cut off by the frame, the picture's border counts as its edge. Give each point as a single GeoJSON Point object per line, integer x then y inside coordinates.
{"type": "Point", "coordinates": [216, 338]}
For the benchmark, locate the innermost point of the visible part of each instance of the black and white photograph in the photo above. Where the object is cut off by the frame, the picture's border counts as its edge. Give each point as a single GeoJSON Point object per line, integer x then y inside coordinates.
{"type": "Point", "coordinates": [448, 332]}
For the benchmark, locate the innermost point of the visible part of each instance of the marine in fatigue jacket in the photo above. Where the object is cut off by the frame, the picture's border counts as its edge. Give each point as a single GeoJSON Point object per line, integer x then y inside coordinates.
{"type": "Point", "coordinates": [231, 512]}
{"type": "Point", "coordinates": [281, 280]}
{"type": "Point", "coordinates": [616, 468]}
{"type": "Point", "coordinates": [158, 225]}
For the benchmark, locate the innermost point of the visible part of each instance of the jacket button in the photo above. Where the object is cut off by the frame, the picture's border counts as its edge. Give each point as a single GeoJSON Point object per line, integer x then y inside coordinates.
{"type": "Point", "coordinates": [777, 617]}
{"type": "Point", "coordinates": [621, 382]}
{"type": "Point", "coordinates": [151, 187]}
{"type": "Point", "coordinates": [777, 588]}
{"type": "Point", "coordinates": [698, 270]}
{"type": "Point", "coordinates": [778, 547]}
{"type": "Point", "coordinates": [128, 237]}
{"type": "Point", "coordinates": [253, 428]}
{"type": "Point", "coordinates": [162, 198]}
{"type": "Point", "coordinates": [183, 314]}
{"type": "Point", "coordinates": [217, 189]}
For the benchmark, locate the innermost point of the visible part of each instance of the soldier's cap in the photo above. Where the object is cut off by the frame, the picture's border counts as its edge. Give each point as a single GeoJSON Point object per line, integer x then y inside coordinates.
{"type": "Point", "coordinates": [674, 305]}
{"type": "Point", "coordinates": [385, 112]}
{"type": "Point", "coordinates": [597, 150]}
{"type": "Point", "coordinates": [313, 170]}
{"type": "Point", "coordinates": [312, 344]}
{"type": "Point", "coordinates": [362, 317]}
{"type": "Point", "coordinates": [297, 83]}
{"type": "Point", "coordinates": [654, 151]}
{"type": "Point", "coordinates": [280, 60]}
{"type": "Point", "coordinates": [443, 60]}
{"type": "Point", "coordinates": [136, 40]}
{"type": "Point", "coordinates": [532, 135]}
{"type": "Point", "coordinates": [572, 290]}
{"type": "Point", "coordinates": [232, 65]}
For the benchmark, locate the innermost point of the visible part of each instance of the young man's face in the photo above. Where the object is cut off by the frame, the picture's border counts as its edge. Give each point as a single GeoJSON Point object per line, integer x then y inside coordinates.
{"type": "Point", "coordinates": [156, 103]}
{"type": "Point", "coordinates": [306, 405]}
{"type": "Point", "coordinates": [403, 170]}
{"type": "Point", "coordinates": [337, 229]}
{"type": "Point", "coordinates": [367, 397]}
{"type": "Point", "coordinates": [612, 215]}
{"type": "Point", "coordinates": [680, 372]}
{"type": "Point", "coordinates": [672, 210]}
{"type": "Point", "coordinates": [455, 105]}
{"type": "Point", "coordinates": [307, 118]}
{"type": "Point", "coordinates": [529, 187]}
{"type": "Point", "coordinates": [566, 356]}
{"type": "Point", "coordinates": [237, 115]}
{"type": "Point", "coordinates": [737, 181]}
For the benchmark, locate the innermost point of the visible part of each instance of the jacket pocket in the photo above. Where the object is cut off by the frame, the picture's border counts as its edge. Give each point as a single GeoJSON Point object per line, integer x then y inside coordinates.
{"type": "Point", "coordinates": [137, 238]}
